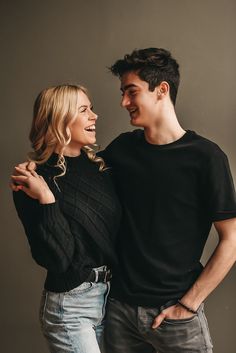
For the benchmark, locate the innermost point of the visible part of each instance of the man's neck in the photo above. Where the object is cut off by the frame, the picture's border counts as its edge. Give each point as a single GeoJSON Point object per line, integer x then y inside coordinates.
{"type": "Point", "coordinates": [167, 130]}
{"type": "Point", "coordinates": [163, 136]}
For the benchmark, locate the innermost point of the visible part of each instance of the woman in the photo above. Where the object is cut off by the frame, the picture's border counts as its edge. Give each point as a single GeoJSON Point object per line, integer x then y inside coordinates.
{"type": "Point", "coordinates": [70, 214]}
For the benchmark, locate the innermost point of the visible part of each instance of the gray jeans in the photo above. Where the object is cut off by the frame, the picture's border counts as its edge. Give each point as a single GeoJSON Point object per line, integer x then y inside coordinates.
{"type": "Point", "coordinates": [128, 330]}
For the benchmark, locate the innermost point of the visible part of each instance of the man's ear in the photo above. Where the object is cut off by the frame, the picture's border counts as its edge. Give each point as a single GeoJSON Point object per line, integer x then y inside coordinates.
{"type": "Point", "coordinates": [163, 89]}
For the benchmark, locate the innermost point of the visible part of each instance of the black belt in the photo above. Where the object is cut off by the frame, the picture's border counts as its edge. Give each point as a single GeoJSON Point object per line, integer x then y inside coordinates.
{"type": "Point", "coordinates": [99, 276]}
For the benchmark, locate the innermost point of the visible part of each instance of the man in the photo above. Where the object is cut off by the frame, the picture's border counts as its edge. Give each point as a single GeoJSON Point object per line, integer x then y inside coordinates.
{"type": "Point", "coordinates": [173, 184]}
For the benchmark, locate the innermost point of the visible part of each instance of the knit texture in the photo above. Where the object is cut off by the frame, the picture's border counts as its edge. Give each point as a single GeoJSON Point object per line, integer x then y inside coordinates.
{"type": "Point", "coordinates": [77, 232]}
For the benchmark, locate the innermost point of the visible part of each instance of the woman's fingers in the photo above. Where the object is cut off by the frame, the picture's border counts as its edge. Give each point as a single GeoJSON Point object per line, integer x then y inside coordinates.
{"type": "Point", "coordinates": [21, 178]}
{"type": "Point", "coordinates": [33, 172]}
{"type": "Point", "coordinates": [21, 171]}
{"type": "Point", "coordinates": [15, 187]}
{"type": "Point", "coordinates": [27, 166]}
{"type": "Point", "coordinates": [31, 166]}
{"type": "Point", "coordinates": [28, 181]}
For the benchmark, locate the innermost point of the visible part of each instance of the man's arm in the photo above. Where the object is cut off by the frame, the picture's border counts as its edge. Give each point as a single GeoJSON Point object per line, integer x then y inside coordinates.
{"type": "Point", "coordinates": [217, 267]}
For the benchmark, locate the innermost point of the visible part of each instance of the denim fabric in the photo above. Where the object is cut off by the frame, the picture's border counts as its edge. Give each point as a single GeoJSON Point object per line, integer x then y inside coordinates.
{"type": "Point", "coordinates": [128, 330]}
{"type": "Point", "coordinates": [72, 322]}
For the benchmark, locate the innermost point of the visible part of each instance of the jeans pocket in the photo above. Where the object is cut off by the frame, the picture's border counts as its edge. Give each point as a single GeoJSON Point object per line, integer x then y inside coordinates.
{"type": "Point", "coordinates": [42, 307]}
{"type": "Point", "coordinates": [205, 329]}
{"type": "Point", "coordinates": [82, 288]}
{"type": "Point", "coordinates": [106, 299]}
{"type": "Point", "coordinates": [180, 321]}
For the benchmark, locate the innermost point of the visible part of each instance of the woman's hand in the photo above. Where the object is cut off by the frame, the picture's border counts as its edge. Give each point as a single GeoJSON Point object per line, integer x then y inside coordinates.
{"type": "Point", "coordinates": [30, 166]}
{"type": "Point", "coordinates": [33, 185]}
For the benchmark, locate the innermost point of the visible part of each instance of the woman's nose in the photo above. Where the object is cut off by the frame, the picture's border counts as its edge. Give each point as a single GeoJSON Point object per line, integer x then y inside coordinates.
{"type": "Point", "coordinates": [93, 116]}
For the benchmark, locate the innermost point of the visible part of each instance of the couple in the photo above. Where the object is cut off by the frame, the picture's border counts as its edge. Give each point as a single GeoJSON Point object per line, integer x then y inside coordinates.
{"type": "Point", "coordinates": [172, 185]}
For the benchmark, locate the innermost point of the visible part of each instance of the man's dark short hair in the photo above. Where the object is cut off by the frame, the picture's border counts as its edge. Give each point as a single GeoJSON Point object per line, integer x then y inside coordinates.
{"type": "Point", "coordinates": [152, 65]}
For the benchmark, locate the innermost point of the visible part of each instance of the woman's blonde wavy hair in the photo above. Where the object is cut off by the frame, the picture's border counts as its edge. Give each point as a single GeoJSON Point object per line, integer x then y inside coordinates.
{"type": "Point", "coordinates": [54, 109]}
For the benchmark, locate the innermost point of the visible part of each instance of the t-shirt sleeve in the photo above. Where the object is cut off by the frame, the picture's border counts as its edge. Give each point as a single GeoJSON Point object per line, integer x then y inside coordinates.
{"type": "Point", "coordinates": [220, 190]}
{"type": "Point", "coordinates": [108, 153]}
{"type": "Point", "coordinates": [119, 146]}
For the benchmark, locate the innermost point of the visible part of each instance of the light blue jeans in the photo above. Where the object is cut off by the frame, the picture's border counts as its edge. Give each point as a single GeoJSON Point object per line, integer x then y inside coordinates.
{"type": "Point", "coordinates": [72, 322]}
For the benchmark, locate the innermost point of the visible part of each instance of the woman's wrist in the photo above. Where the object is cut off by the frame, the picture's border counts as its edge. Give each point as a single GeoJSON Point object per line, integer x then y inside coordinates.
{"type": "Point", "coordinates": [46, 197]}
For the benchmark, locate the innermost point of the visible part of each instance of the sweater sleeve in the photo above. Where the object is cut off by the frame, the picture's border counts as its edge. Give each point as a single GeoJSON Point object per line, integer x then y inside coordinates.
{"type": "Point", "coordinates": [49, 236]}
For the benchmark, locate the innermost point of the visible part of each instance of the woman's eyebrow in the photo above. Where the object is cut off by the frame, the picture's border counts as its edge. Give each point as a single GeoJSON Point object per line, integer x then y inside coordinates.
{"type": "Point", "coordinates": [86, 106]}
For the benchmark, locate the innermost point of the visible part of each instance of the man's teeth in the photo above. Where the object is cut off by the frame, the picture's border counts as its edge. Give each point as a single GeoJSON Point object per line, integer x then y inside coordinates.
{"type": "Point", "coordinates": [90, 128]}
{"type": "Point", "coordinates": [132, 110]}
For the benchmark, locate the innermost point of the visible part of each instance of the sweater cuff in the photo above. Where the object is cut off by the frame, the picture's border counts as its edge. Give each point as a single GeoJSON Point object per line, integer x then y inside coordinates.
{"type": "Point", "coordinates": [50, 211]}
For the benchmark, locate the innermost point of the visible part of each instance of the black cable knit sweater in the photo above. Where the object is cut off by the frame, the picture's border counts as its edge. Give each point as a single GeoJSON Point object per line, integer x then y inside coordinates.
{"type": "Point", "coordinates": [77, 232]}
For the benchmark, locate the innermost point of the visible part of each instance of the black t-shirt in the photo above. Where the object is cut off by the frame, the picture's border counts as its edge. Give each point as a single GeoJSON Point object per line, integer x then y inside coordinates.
{"type": "Point", "coordinates": [170, 195]}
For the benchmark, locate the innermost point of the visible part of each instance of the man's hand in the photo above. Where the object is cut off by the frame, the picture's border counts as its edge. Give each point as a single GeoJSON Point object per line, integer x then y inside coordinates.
{"type": "Point", "coordinates": [174, 312]}
{"type": "Point", "coordinates": [16, 185]}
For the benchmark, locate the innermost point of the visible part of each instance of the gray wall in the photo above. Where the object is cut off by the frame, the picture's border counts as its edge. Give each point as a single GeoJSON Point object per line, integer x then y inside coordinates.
{"type": "Point", "coordinates": [51, 42]}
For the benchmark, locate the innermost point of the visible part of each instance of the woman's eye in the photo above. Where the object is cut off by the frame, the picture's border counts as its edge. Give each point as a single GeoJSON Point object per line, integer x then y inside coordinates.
{"type": "Point", "coordinates": [83, 110]}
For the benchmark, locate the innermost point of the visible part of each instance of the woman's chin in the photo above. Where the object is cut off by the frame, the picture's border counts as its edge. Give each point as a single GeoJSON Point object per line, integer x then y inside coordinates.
{"type": "Point", "coordinates": [92, 141]}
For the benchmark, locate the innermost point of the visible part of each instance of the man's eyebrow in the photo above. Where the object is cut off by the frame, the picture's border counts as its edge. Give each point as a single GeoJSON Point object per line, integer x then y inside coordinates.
{"type": "Point", "coordinates": [127, 87]}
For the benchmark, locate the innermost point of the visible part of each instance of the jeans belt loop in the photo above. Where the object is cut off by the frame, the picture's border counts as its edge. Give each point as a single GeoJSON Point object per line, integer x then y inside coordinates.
{"type": "Point", "coordinates": [96, 276]}
{"type": "Point", "coordinates": [105, 277]}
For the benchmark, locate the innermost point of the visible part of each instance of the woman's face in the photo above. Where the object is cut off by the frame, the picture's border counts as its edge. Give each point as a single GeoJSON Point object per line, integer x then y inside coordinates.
{"type": "Point", "coordinates": [82, 129]}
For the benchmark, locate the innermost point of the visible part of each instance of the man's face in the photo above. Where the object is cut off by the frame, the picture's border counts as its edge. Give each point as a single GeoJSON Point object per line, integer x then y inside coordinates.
{"type": "Point", "coordinates": [142, 104]}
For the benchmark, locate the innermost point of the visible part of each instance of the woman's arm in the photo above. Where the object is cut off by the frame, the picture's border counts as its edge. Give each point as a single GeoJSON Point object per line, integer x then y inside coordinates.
{"type": "Point", "coordinates": [47, 230]}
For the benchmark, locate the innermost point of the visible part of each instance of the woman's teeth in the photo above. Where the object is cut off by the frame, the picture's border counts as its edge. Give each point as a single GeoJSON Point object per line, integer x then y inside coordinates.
{"type": "Point", "coordinates": [90, 128]}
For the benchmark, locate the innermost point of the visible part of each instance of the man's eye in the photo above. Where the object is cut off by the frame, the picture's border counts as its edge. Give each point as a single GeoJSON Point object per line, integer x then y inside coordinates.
{"type": "Point", "coordinates": [132, 93]}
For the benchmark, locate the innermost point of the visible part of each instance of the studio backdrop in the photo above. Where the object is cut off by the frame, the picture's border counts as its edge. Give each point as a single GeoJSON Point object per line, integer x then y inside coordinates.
{"type": "Point", "coordinates": [51, 42]}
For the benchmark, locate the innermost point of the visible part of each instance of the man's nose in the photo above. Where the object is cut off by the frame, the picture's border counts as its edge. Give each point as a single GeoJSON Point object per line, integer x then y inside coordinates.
{"type": "Point", "coordinates": [125, 101]}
